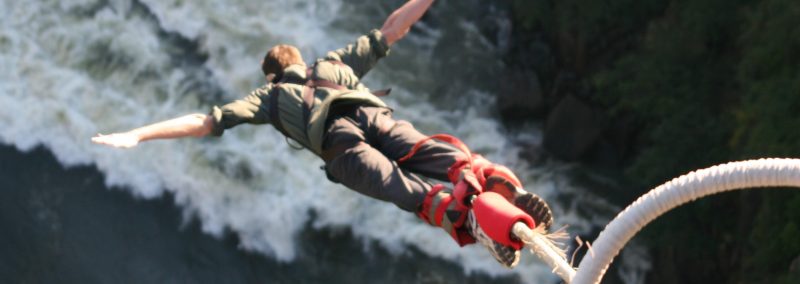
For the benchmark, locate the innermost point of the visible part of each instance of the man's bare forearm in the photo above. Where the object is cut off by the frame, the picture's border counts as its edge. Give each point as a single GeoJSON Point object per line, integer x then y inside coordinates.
{"type": "Point", "coordinates": [401, 20]}
{"type": "Point", "coordinates": [194, 125]}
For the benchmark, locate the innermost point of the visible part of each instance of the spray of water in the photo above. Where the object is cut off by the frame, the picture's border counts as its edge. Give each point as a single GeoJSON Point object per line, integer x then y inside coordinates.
{"type": "Point", "coordinates": [73, 68]}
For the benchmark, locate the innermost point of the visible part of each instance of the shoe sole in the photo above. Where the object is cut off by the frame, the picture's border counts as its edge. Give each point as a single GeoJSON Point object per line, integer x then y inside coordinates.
{"type": "Point", "coordinates": [535, 206]}
{"type": "Point", "coordinates": [530, 203]}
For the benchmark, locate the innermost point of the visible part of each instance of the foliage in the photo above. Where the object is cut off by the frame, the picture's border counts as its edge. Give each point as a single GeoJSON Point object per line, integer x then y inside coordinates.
{"type": "Point", "coordinates": [769, 72]}
{"type": "Point", "coordinates": [710, 81]}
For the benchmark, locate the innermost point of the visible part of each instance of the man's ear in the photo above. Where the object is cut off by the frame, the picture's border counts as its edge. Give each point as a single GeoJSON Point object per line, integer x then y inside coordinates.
{"type": "Point", "coordinates": [270, 77]}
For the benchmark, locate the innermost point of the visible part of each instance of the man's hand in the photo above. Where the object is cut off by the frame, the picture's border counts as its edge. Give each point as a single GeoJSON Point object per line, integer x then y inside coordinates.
{"type": "Point", "coordinates": [400, 21]}
{"type": "Point", "coordinates": [119, 140]}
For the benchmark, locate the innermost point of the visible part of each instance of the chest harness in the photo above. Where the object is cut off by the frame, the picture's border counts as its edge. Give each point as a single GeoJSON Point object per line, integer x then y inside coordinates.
{"type": "Point", "coordinates": [310, 84]}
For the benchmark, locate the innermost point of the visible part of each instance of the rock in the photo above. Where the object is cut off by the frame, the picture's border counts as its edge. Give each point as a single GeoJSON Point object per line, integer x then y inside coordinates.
{"type": "Point", "coordinates": [616, 143]}
{"type": "Point", "coordinates": [522, 97]}
{"type": "Point", "coordinates": [795, 266]}
{"type": "Point", "coordinates": [572, 128]}
{"type": "Point", "coordinates": [531, 151]}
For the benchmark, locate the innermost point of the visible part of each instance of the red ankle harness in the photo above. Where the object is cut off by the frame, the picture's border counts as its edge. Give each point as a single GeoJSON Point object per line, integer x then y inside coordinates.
{"type": "Point", "coordinates": [468, 176]}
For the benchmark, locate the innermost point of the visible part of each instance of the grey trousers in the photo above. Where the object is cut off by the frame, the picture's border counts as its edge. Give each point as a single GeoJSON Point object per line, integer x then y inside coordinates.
{"type": "Point", "coordinates": [367, 143]}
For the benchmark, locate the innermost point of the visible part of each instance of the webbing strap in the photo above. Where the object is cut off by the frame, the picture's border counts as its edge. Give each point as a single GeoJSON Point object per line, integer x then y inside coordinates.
{"type": "Point", "coordinates": [468, 174]}
{"type": "Point", "coordinates": [441, 137]}
{"type": "Point", "coordinates": [382, 93]}
{"type": "Point", "coordinates": [308, 103]}
{"type": "Point", "coordinates": [312, 85]}
{"type": "Point", "coordinates": [309, 88]}
{"type": "Point", "coordinates": [274, 117]}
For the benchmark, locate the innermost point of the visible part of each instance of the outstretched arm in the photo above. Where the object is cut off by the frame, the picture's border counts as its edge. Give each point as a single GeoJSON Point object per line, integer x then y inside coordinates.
{"type": "Point", "coordinates": [401, 20]}
{"type": "Point", "coordinates": [194, 125]}
{"type": "Point", "coordinates": [362, 55]}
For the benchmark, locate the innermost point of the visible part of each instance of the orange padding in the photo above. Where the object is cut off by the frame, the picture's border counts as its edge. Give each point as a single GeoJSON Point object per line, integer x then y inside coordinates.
{"type": "Point", "coordinates": [496, 216]}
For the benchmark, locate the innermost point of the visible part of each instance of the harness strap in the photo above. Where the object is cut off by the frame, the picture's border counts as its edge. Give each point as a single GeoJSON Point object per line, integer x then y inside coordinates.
{"type": "Point", "coordinates": [274, 117]}
{"type": "Point", "coordinates": [468, 175]}
{"type": "Point", "coordinates": [382, 93]}
{"type": "Point", "coordinates": [441, 137]}
{"type": "Point", "coordinates": [329, 84]}
{"type": "Point", "coordinates": [440, 209]}
{"type": "Point", "coordinates": [448, 208]}
{"type": "Point", "coordinates": [308, 103]}
{"type": "Point", "coordinates": [310, 86]}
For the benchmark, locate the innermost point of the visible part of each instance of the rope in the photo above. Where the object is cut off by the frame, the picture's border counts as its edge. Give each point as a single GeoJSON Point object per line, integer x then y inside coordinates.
{"type": "Point", "coordinates": [545, 249]}
{"type": "Point", "coordinates": [732, 176]}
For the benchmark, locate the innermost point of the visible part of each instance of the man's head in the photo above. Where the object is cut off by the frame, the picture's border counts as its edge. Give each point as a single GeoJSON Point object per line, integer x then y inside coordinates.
{"type": "Point", "coordinates": [278, 58]}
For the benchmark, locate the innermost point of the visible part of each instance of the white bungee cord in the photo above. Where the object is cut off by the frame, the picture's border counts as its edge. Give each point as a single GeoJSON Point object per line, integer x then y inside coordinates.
{"type": "Point", "coordinates": [760, 173]}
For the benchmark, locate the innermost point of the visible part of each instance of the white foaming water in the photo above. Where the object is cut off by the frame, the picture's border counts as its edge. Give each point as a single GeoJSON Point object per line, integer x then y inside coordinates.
{"type": "Point", "coordinates": [70, 69]}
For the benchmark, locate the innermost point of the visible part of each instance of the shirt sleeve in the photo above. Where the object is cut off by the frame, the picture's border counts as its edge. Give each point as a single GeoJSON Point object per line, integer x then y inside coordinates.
{"type": "Point", "coordinates": [252, 109]}
{"type": "Point", "coordinates": [362, 55]}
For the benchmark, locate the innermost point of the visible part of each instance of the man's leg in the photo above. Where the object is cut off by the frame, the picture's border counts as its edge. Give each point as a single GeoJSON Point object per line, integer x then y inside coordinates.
{"type": "Point", "coordinates": [352, 141]}
{"type": "Point", "coordinates": [396, 138]}
{"type": "Point", "coordinates": [374, 172]}
{"type": "Point", "coordinates": [364, 169]}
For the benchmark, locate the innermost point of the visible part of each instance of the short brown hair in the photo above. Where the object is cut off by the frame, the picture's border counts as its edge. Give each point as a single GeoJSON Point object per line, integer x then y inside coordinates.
{"type": "Point", "coordinates": [278, 58]}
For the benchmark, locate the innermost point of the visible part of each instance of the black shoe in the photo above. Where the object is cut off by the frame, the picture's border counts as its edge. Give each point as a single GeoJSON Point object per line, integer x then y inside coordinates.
{"type": "Point", "coordinates": [530, 203]}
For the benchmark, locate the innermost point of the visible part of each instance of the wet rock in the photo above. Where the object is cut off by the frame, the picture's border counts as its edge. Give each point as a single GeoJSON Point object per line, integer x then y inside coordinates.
{"type": "Point", "coordinates": [522, 97]}
{"type": "Point", "coordinates": [795, 266]}
{"type": "Point", "coordinates": [615, 145]}
{"type": "Point", "coordinates": [572, 128]}
{"type": "Point", "coordinates": [532, 152]}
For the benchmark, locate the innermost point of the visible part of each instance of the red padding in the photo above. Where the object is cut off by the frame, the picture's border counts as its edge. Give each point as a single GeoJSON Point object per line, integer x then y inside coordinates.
{"type": "Point", "coordinates": [461, 191]}
{"type": "Point", "coordinates": [497, 217]}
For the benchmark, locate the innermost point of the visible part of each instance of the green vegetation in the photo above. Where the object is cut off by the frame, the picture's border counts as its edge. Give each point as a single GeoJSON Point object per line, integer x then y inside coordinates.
{"type": "Point", "coordinates": [709, 81]}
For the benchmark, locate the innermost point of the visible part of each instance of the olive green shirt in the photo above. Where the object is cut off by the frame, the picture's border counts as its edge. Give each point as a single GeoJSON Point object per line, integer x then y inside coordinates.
{"type": "Point", "coordinates": [254, 108]}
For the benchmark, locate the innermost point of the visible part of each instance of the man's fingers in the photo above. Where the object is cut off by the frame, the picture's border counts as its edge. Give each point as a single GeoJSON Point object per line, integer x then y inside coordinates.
{"type": "Point", "coordinates": [104, 140]}
{"type": "Point", "coordinates": [118, 140]}
{"type": "Point", "coordinates": [97, 137]}
{"type": "Point", "coordinates": [100, 140]}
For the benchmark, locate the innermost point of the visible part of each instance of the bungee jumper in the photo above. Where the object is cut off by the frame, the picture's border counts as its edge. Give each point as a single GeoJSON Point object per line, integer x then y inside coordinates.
{"type": "Point", "coordinates": [326, 109]}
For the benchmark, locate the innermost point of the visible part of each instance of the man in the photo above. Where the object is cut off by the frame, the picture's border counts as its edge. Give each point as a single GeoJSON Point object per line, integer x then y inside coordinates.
{"type": "Point", "coordinates": [327, 110]}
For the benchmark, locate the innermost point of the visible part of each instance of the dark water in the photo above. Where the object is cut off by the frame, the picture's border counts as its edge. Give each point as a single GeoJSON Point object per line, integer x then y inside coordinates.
{"type": "Point", "coordinates": [62, 225]}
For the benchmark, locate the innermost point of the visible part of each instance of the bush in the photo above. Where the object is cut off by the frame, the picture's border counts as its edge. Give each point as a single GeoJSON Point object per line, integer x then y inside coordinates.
{"type": "Point", "coordinates": [710, 81]}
